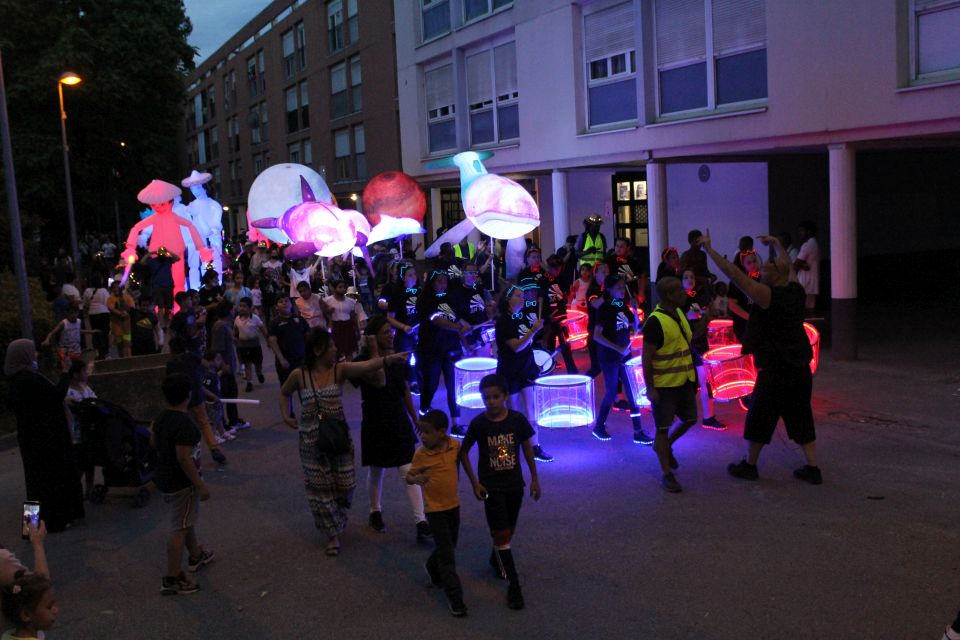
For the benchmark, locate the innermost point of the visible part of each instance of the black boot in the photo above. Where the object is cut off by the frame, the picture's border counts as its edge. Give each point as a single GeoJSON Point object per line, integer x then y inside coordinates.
{"type": "Point", "coordinates": [514, 593]}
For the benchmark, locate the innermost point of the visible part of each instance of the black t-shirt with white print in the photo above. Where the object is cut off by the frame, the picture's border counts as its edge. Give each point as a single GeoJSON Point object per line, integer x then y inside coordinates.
{"type": "Point", "coordinates": [500, 449]}
{"type": "Point", "coordinates": [617, 322]}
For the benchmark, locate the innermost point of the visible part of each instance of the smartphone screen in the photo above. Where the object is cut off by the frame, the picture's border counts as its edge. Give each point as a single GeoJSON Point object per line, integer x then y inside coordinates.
{"type": "Point", "coordinates": [31, 515]}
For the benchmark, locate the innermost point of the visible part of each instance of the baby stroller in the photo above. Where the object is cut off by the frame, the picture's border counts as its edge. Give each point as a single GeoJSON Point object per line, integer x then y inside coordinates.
{"type": "Point", "coordinates": [113, 440]}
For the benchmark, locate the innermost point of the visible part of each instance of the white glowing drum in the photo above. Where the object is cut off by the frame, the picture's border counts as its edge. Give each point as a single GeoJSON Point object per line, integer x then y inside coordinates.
{"type": "Point", "coordinates": [466, 378]}
{"type": "Point", "coordinates": [638, 387]}
{"type": "Point", "coordinates": [720, 333]}
{"type": "Point", "coordinates": [730, 375]}
{"type": "Point", "coordinates": [814, 336]}
{"type": "Point", "coordinates": [563, 401]}
{"type": "Point", "coordinates": [544, 360]}
{"type": "Point", "coordinates": [576, 325]}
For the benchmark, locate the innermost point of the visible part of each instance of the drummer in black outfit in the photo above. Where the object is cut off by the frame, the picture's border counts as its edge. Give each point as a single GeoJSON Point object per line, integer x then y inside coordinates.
{"type": "Point", "coordinates": [517, 327]}
{"type": "Point", "coordinates": [624, 266]}
{"type": "Point", "coordinates": [402, 314]}
{"type": "Point", "coordinates": [469, 300]}
{"type": "Point", "coordinates": [438, 347]}
{"type": "Point", "coordinates": [555, 312]}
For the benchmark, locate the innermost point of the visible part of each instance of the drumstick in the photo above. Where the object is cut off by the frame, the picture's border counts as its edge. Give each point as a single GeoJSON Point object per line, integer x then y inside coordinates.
{"type": "Point", "coordinates": [239, 401]}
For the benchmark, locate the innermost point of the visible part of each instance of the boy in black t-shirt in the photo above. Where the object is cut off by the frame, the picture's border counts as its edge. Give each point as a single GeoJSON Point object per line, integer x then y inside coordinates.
{"type": "Point", "coordinates": [500, 434]}
{"type": "Point", "coordinates": [176, 438]}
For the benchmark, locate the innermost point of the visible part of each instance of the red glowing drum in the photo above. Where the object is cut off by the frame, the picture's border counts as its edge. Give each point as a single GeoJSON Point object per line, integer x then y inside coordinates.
{"type": "Point", "coordinates": [730, 375]}
{"type": "Point", "coordinates": [814, 336]}
{"type": "Point", "coordinates": [720, 333]}
{"type": "Point", "coordinates": [636, 345]}
{"type": "Point", "coordinates": [576, 325]}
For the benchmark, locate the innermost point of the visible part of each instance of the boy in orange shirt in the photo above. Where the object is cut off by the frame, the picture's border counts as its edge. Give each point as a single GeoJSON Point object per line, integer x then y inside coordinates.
{"type": "Point", "coordinates": [435, 468]}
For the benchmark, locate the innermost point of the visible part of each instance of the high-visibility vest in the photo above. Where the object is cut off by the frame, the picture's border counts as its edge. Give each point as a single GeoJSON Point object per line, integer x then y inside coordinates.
{"type": "Point", "coordinates": [472, 250]}
{"type": "Point", "coordinates": [593, 250]}
{"type": "Point", "coordinates": [672, 362]}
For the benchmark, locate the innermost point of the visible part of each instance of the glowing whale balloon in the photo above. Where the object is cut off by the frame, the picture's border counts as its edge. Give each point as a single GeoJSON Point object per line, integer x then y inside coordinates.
{"type": "Point", "coordinates": [277, 189]}
{"type": "Point", "coordinates": [494, 205]}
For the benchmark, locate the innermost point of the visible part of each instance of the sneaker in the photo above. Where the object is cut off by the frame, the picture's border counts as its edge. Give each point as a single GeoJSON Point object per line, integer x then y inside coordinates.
{"type": "Point", "coordinates": [669, 483]}
{"type": "Point", "coordinates": [206, 557]}
{"type": "Point", "coordinates": [424, 534]}
{"type": "Point", "coordinates": [218, 456]}
{"type": "Point", "coordinates": [376, 522]}
{"type": "Point", "coordinates": [240, 426]}
{"type": "Point", "coordinates": [457, 431]}
{"type": "Point", "coordinates": [457, 608]}
{"type": "Point", "coordinates": [713, 423]}
{"type": "Point", "coordinates": [809, 474]}
{"type": "Point", "coordinates": [600, 433]}
{"type": "Point", "coordinates": [540, 455]}
{"type": "Point", "coordinates": [260, 378]}
{"type": "Point", "coordinates": [515, 597]}
{"type": "Point", "coordinates": [640, 437]}
{"type": "Point", "coordinates": [220, 439]}
{"type": "Point", "coordinates": [432, 574]}
{"type": "Point", "coordinates": [743, 470]}
{"type": "Point", "coordinates": [248, 388]}
{"type": "Point", "coordinates": [229, 435]}
{"type": "Point", "coordinates": [177, 585]}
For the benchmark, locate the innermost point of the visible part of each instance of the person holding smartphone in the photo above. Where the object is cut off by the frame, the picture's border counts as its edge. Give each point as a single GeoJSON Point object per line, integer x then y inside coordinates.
{"type": "Point", "coordinates": [11, 568]}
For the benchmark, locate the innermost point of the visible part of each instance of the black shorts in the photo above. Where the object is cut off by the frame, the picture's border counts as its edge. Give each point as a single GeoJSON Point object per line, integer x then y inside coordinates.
{"type": "Point", "coordinates": [163, 296]}
{"type": "Point", "coordinates": [251, 355]}
{"type": "Point", "coordinates": [680, 402]}
{"type": "Point", "coordinates": [781, 393]}
{"type": "Point", "coordinates": [502, 509]}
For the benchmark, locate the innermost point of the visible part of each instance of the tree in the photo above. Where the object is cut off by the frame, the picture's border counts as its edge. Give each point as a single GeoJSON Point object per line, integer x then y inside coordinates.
{"type": "Point", "coordinates": [133, 57]}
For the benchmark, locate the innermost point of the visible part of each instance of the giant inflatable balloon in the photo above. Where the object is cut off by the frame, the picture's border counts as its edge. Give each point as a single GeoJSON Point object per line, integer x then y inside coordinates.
{"type": "Point", "coordinates": [207, 215]}
{"type": "Point", "coordinates": [395, 194]}
{"type": "Point", "coordinates": [276, 190]}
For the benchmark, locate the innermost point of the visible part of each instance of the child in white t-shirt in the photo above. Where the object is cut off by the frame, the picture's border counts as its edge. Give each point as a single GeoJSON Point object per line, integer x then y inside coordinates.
{"type": "Point", "coordinates": [247, 328]}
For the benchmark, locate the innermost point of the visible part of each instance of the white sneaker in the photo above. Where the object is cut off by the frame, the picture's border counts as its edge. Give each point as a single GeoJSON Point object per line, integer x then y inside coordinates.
{"type": "Point", "coordinates": [221, 439]}
{"type": "Point", "coordinates": [230, 435]}
{"type": "Point", "coordinates": [241, 426]}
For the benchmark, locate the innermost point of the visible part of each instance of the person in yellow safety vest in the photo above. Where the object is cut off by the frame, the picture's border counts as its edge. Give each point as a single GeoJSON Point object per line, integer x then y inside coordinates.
{"type": "Point", "coordinates": [591, 246]}
{"type": "Point", "coordinates": [669, 373]}
{"type": "Point", "coordinates": [464, 250]}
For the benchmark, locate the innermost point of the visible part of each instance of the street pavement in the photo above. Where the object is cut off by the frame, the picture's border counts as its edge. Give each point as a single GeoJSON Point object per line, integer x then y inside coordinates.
{"type": "Point", "coordinates": [872, 553]}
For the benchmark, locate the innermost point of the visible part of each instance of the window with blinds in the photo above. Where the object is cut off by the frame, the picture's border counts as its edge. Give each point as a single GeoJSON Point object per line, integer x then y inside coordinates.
{"type": "Point", "coordinates": [286, 42]}
{"type": "Point", "coordinates": [341, 152]}
{"type": "Point", "coordinates": [335, 25]}
{"type": "Point", "coordinates": [356, 97]}
{"type": "Point", "coordinates": [360, 152]}
{"type": "Point", "coordinates": [935, 34]}
{"type": "Point", "coordinates": [493, 95]}
{"type": "Point", "coordinates": [339, 102]}
{"type": "Point", "coordinates": [435, 18]}
{"type": "Point", "coordinates": [293, 121]}
{"type": "Point", "coordinates": [609, 46]}
{"type": "Point", "coordinates": [706, 63]}
{"type": "Point", "coordinates": [441, 111]}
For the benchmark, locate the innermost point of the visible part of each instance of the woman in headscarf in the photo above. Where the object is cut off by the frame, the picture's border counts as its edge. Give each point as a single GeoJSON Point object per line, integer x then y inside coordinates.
{"type": "Point", "coordinates": [44, 437]}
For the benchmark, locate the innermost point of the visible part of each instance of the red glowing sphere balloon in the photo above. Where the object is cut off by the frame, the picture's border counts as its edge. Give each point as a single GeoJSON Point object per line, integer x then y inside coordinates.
{"type": "Point", "coordinates": [396, 194]}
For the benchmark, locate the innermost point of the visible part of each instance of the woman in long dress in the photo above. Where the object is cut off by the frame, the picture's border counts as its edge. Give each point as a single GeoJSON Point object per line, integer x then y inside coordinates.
{"type": "Point", "coordinates": [330, 479]}
{"type": "Point", "coordinates": [44, 437]}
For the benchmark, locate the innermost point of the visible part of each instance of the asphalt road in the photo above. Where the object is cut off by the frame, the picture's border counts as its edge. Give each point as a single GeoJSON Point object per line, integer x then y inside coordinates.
{"type": "Point", "coordinates": [872, 553]}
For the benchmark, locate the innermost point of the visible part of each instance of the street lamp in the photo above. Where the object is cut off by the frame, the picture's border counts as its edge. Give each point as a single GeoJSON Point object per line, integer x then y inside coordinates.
{"type": "Point", "coordinates": [68, 78]}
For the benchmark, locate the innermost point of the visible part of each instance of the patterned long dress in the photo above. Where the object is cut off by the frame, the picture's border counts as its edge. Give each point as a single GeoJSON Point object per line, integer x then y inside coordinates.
{"type": "Point", "coordinates": [329, 479]}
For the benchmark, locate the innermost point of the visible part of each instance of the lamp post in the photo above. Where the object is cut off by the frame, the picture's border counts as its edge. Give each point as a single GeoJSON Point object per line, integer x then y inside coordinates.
{"type": "Point", "coordinates": [68, 78]}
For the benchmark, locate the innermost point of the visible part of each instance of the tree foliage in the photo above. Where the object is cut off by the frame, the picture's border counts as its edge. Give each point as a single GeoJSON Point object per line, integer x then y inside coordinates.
{"type": "Point", "coordinates": [133, 56]}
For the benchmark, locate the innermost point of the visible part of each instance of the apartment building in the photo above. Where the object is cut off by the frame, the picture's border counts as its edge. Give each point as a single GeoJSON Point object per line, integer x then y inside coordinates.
{"type": "Point", "coordinates": [745, 116]}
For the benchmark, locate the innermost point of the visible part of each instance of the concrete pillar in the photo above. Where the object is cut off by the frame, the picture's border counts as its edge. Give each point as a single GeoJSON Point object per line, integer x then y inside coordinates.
{"type": "Point", "coordinates": [843, 251]}
{"type": "Point", "coordinates": [656, 215]}
{"type": "Point", "coordinates": [435, 203]}
{"type": "Point", "coordinates": [561, 214]}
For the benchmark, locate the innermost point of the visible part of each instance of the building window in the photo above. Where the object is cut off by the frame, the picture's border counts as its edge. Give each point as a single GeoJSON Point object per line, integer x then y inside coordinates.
{"type": "Point", "coordinates": [435, 16]}
{"type": "Point", "coordinates": [339, 99]}
{"type": "Point", "coordinates": [262, 64]}
{"type": "Point", "coordinates": [233, 134]}
{"type": "Point", "coordinates": [253, 85]}
{"type": "Point", "coordinates": [214, 143]}
{"type": "Point", "coordinates": [360, 152]}
{"type": "Point", "coordinates": [264, 122]}
{"type": "Point", "coordinates": [335, 25]}
{"type": "Point", "coordinates": [216, 182]}
{"type": "Point", "coordinates": [301, 46]}
{"type": "Point", "coordinates": [304, 106]}
{"type": "Point", "coordinates": [230, 91]}
{"type": "Point", "coordinates": [473, 9]}
{"type": "Point", "coordinates": [307, 153]}
{"type": "Point", "coordinates": [630, 204]}
{"type": "Point", "coordinates": [610, 51]}
{"type": "Point", "coordinates": [935, 38]}
{"type": "Point", "coordinates": [341, 152]}
{"type": "Point", "coordinates": [492, 95]}
{"type": "Point", "coordinates": [289, 65]}
{"type": "Point", "coordinates": [293, 153]}
{"type": "Point", "coordinates": [451, 207]}
{"type": "Point", "coordinates": [700, 68]}
{"type": "Point", "coordinates": [353, 22]}
{"type": "Point", "coordinates": [356, 97]}
{"type": "Point", "coordinates": [293, 120]}
{"type": "Point", "coordinates": [212, 101]}
{"type": "Point", "coordinates": [259, 164]}
{"type": "Point", "coordinates": [441, 111]}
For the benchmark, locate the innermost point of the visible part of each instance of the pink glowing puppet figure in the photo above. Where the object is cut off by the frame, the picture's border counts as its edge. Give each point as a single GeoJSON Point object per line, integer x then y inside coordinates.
{"type": "Point", "coordinates": [167, 230]}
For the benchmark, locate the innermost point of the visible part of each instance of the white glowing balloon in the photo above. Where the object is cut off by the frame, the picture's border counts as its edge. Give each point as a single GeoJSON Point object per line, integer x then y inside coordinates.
{"type": "Point", "coordinates": [277, 189]}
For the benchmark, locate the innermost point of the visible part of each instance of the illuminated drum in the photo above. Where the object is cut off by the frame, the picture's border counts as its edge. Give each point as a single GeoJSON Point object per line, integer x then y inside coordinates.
{"type": "Point", "coordinates": [730, 374]}
{"type": "Point", "coordinates": [563, 401]}
{"type": "Point", "coordinates": [636, 345]}
{"type": "Point", "coordinates": [638, 387]}
{"type": "Point", "coordinates": [467, 375]}
{"type": "Point", "coordinates": [576, 325]}
{"type": "Point", "coordinates": [720, 333]}
{"type": "Point", "coordinates": [544, 360]}
{"type": "Point", "coordinates": [814, 336]}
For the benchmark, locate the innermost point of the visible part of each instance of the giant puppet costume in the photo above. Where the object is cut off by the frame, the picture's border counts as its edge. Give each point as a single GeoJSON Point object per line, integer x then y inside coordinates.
{"type": "Point", "coordinates": [167, 230]}
{"type": "Point", "coordinates": [207, 216]}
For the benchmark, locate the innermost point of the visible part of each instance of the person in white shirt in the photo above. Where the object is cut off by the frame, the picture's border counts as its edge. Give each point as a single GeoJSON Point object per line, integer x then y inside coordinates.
{"type": "Point", "coordinates": [807, 264]}
{"type": "Point", "coordinates": [98, 313]}
{"type": "Point", "coordinates": [300, 272]}
{"type": "Point", "coordinates": [247, 328]}
{"type": "Point", "coordinates": [311, 307]}
{"type": "Point", "coordinates": [343, 320]}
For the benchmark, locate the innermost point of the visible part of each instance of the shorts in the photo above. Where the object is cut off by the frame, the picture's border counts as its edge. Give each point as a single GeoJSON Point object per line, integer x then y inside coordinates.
{"type": "Point", "coordinates": [502, 509]}
{"type": "Point", "coordinates": [186, 504]}
{"type": "Point", "coordinates": [680, 402]}
{"type": "Point", "coordinates": [250, 355]}
{"type": "Point", "coordinates": [163, 296]}
{"type": "Point", "coordinates": [781, 393]}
